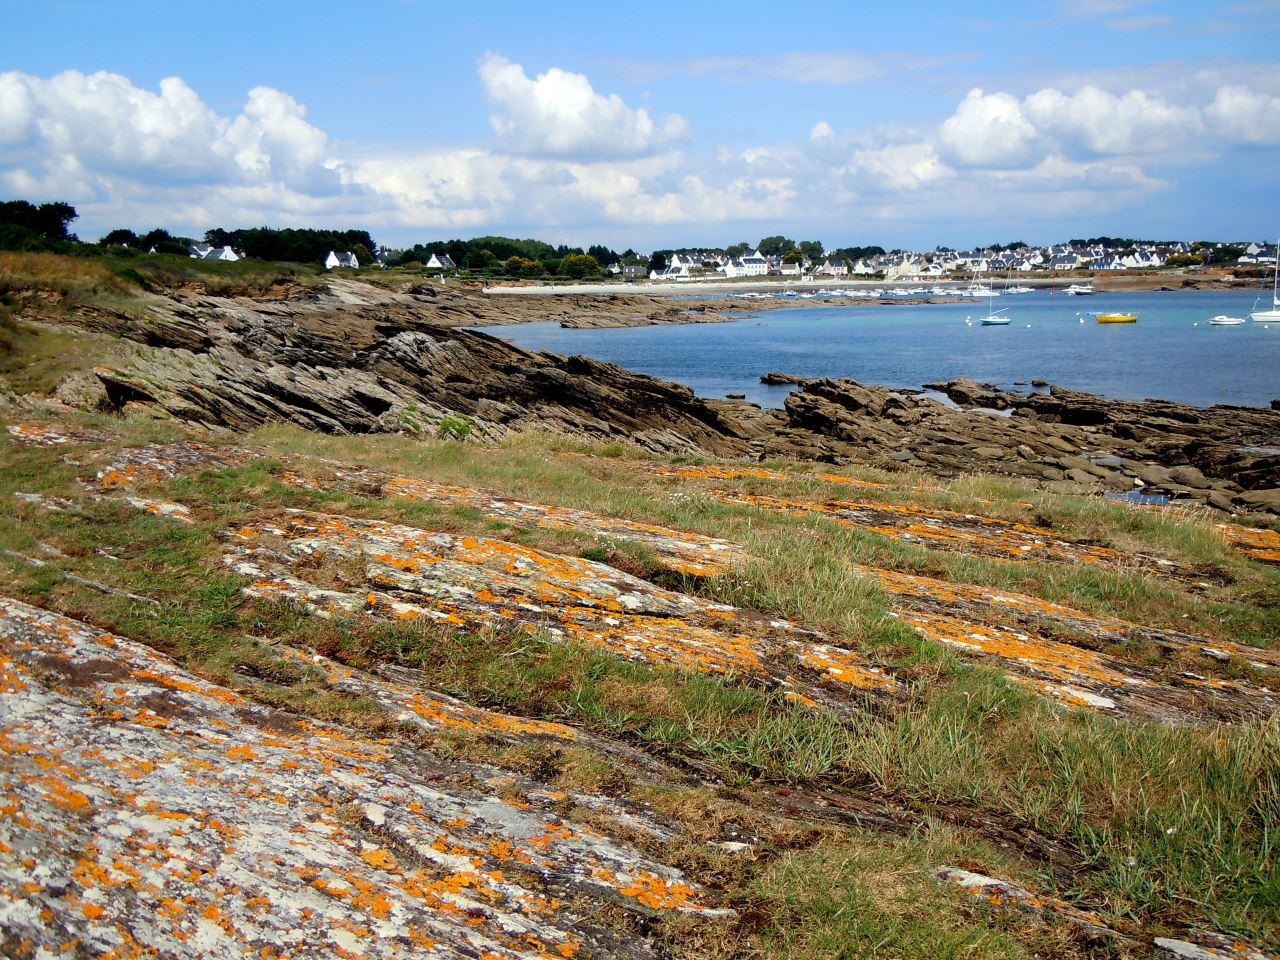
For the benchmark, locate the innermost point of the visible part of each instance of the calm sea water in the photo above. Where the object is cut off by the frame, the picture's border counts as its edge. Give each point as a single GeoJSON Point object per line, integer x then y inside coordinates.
{"type": "Point", "coordinates": [1171, 352]}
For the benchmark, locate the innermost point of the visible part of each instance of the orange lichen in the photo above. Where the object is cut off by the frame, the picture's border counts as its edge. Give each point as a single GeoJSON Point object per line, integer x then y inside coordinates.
{"type": "Point", "coordinates": [476, 582]}
{"type": "Point", "coordinates": [690, 553]}
{"type": "Point", "coordinates": [1048, 657]}
{"type": "Point", "coordinates": [710, 471]}
{"type": "Point", "coordinates": [1254, 542]}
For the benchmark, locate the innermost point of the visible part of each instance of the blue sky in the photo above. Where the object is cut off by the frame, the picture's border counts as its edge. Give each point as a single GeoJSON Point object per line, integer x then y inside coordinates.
{"type": "Point", "coordinates": [651, 125]}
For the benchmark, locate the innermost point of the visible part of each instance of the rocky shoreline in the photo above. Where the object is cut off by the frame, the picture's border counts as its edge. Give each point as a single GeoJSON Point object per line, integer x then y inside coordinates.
{"type": "Point", "coordinates": [351, 358]}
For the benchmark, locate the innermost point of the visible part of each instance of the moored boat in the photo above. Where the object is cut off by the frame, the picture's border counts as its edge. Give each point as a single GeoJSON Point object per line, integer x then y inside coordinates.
{"type": "Point", "coordinates": [1272, 315]}
{"type": "Point", "coordinates": [1222, 320]}
{"type": "Point", "coordinates": [1080, 289]}
{"type": "Point", "coordinates": [1116, 317]}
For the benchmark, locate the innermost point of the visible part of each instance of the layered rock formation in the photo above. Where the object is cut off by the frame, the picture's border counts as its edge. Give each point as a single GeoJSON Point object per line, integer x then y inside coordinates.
{"type": "Point", "coordinates": [1223, 456]}
{"type": "Point", "coordinates": [352, 358]}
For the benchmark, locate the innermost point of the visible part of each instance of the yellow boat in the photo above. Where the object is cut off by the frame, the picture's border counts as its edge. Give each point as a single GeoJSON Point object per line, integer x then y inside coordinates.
{"type": "Point", "coordinates": [1117, 317]}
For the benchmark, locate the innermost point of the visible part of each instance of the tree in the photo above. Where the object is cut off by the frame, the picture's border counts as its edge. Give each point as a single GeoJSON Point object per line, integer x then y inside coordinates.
{"type": "Point", "coordinates": [658, 262]}
{"type": "Point", "coordinates": [775, 246]}
{"type": "Point", "coordinates": [518, 266]}
{"type": "Point", "coordinates": [1184, 260]}
{"type": "Point", "coordinates": [25, 226]}
{"type": "Point", "coordinates": [579, 265]}
{"type": "Point", "coordinates": [854, 254]}
{"type": "Point", "coordinates": [736, 250]}
{"type": "Point", "coordinates": [163, 241]}
{"type": "Point", "coordinates": [604, 256]}
{"type": "Point", "coordinates": [811, 249]}
{"type": "Point", "coordinates": [122, 236]}
{"type": "Point", "coordinates": [793, 256]}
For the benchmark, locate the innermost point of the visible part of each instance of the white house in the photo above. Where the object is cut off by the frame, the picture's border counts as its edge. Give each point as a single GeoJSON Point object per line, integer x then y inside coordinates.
{"type": "Point", "coordinates": [344, 259]}
{"type": "Point", "coordinates": [441, 261]}
{"type": "Point", "coordinates": [833, 268]}
{"type": "Point", "coordinates": [747, 265]}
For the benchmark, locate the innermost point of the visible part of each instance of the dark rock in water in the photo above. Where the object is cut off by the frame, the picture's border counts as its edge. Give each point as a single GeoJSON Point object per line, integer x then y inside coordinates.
{"type": "Point", "coordinates": [775, 378]}
{"type": "Point", "coordinates": [968, 393]}
{"type": "Point", "coordinates": [735, 396]}
{"type": "Point", "coordinates": [1039, 383]}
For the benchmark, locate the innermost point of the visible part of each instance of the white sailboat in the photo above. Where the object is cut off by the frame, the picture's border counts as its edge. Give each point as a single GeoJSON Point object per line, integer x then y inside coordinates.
{"type": "Point", "coordinates": [994, 318]}
{"type": "Point", "coordinates": [1272, 315]}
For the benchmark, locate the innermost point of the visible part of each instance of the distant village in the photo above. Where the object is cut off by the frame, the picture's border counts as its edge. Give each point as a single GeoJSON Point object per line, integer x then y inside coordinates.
{"type": "Point", "coordinates": [899, 264]}
{"type": "Point", "coordinates": [904, 264]}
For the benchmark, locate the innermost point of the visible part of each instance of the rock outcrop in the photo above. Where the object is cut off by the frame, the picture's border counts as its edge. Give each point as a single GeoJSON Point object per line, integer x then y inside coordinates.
{"type": "Point", "coordinates": [1225, 457]}
{"type": "Point", "coordinates": [351, 358]}
{"type": "Point", "coordinates": [148, 811]}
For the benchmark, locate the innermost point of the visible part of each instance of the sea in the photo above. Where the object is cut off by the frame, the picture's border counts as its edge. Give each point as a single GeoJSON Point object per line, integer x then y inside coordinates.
{"type": "Point", "coordinates": [1171, 353]}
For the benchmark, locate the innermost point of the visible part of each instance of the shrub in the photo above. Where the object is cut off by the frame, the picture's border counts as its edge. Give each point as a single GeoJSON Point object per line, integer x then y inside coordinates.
{"type": "Point", "coordinates": [455, 427]}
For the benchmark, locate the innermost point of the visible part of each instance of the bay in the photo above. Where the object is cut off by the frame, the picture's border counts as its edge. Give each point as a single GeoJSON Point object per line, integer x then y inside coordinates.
{"type": "Point", "coordinates": [1171, 353]}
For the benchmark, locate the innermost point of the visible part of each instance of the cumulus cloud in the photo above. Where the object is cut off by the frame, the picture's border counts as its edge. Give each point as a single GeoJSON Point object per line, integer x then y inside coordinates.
{"type": "Point", "coordinates": [56, 129]}
{"type": "Point", "coordinates": [1101, 122]}
{"type": "Point", "coordinates": [906, 167]}
{"type": "Point", "coordinates": [564, 156]}
{"type": "Point", "coordinates": [998, 131]}
{"type": "Point", "coordinates": [559, 114]}
{"type": "Point", "coordinates": [988, 130]}
{"type": "Point", "coordinates": [1245, 116]}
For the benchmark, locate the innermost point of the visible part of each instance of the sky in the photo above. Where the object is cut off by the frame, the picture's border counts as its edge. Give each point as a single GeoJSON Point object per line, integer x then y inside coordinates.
{"type": "Point", "coordinates": [650, 125]}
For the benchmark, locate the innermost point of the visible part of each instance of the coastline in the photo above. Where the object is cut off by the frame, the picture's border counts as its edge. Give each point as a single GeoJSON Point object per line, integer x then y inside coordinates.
{"type": "Point", "coordinates": [729, 289]}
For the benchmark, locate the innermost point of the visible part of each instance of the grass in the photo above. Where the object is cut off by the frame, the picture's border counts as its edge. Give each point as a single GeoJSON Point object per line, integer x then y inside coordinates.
{"type": "Point", "coordinates": [1165, 825]}
{"type": "Point", "coordinates": [862, 896]}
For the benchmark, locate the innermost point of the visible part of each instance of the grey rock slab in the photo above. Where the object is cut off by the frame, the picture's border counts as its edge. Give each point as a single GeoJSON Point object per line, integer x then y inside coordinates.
{"type": "Point", "coordinates": [161, 812]}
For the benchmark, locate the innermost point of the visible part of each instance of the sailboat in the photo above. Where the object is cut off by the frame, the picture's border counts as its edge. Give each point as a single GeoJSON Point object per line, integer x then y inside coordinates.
{"type": "Point", "coordinates": [994, 318]}
{"type": "Point", "coordinates": [1009, 286]}
{"type": "Point", "coordinates": [1272, 315]}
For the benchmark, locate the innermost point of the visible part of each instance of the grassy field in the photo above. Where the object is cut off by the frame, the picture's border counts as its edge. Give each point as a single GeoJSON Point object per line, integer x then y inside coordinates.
{"type": "Point", "coordinates": [1153, 826]}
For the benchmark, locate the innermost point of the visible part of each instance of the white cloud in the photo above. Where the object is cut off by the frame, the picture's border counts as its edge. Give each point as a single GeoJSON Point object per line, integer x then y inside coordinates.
{"type": "Point", "coordinates": [905, 167]}
{"type": "Point", "coordinates": [1245, 116]}
{"type": "Point", "coordinates": [558, 114]}
{"type": "Point", "coordinates": [569, 159]}
{"type": "Point", "coordinates": [56, 129]}
{"type": "Point", "coordinates": [1099, 122]}
{"type": "Point", "coordinates": [989, 131]}
{"type": "Point", "coordinates": [272, 136]}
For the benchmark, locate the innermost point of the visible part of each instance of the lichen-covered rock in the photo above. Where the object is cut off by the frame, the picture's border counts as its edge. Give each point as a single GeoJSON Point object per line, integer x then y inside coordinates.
{"type": "Point", "coordinates": [1081, 672]}
{"type": "Point", "coordinates": [475, 582]}
{"type": "Point", "coordinates": [1205, 945]}
{"type": "Point", "coordinates": [1003, 893]}
{"type": "Point", "coordinates": [712, 471]}
{"type": "Point", "coordinates": [689, 553]}
{"type": "Point", "coordinates": [146, 811]}
{"type": "Point", "coordinates": [131, 466]}
{"type": "Point", "coordinates": [1257, 543]}
{"type": "Point", "coordinates": [1199, 945]}
{"type": "Point", "coordinates": [961, 532]}
{"type": "Point", "coordinates": [50, 435]}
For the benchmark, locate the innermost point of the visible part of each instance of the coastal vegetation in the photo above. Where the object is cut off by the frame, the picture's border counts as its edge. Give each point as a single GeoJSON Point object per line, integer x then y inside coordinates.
{"type": "Point", "coordinates": [1149, 825]}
